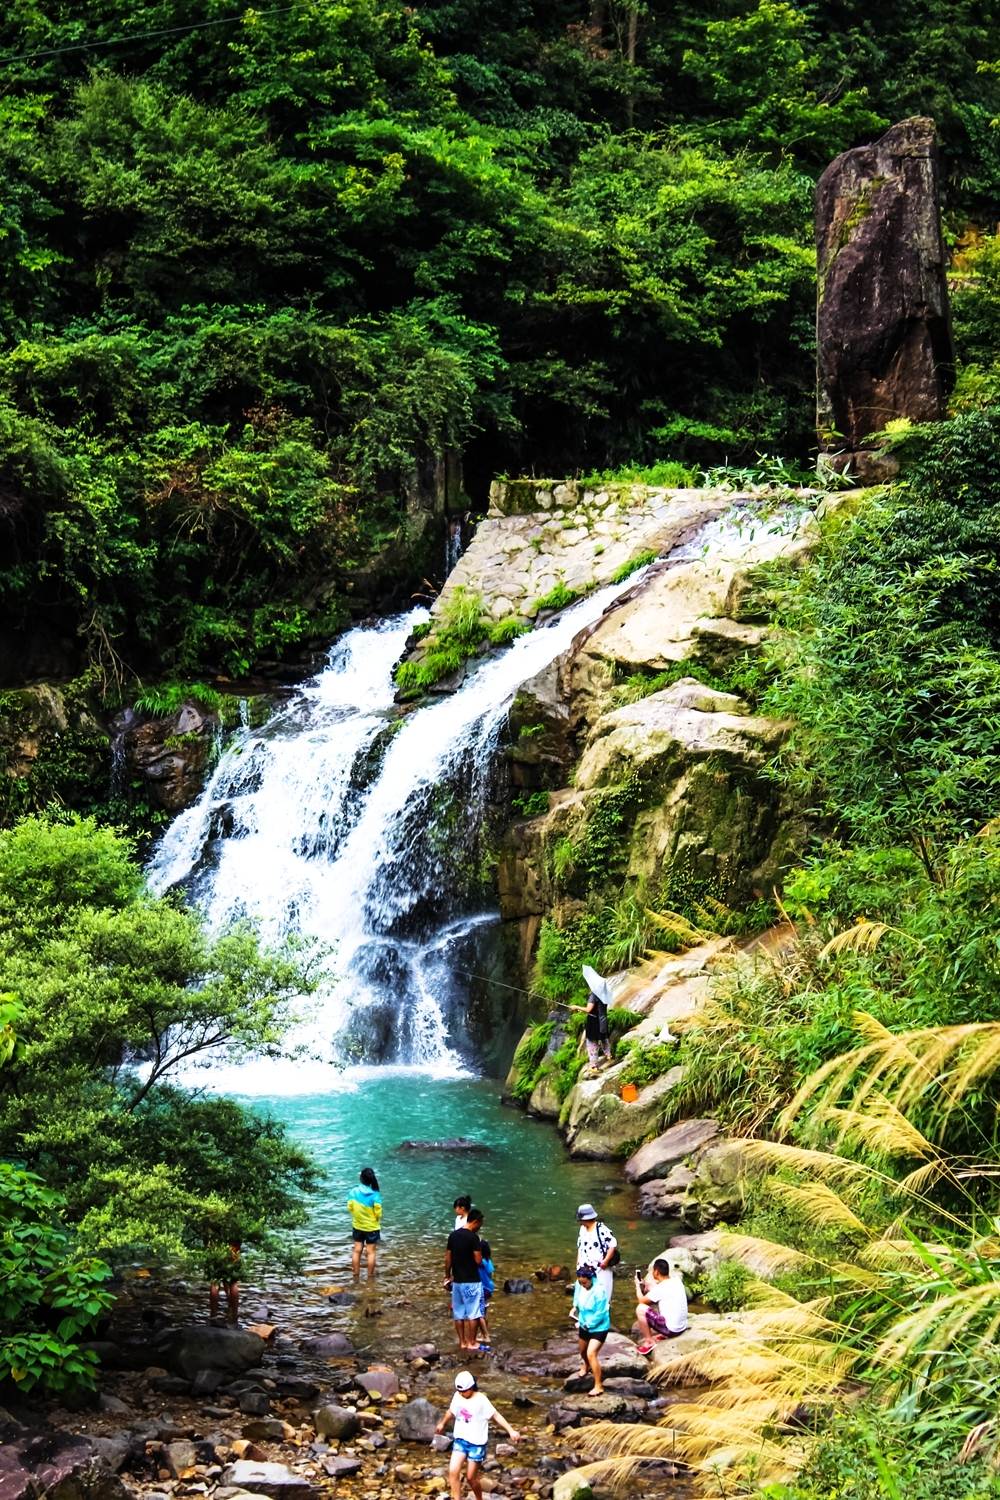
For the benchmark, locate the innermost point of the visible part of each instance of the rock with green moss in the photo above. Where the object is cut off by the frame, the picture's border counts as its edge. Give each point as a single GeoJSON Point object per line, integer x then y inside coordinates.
{"type": "Point", "coordinates": [600, 1125]}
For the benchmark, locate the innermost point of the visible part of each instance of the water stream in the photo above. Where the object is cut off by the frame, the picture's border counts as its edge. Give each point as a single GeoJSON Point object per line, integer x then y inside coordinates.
{"type": "Point", "coordinates": [341, 822]}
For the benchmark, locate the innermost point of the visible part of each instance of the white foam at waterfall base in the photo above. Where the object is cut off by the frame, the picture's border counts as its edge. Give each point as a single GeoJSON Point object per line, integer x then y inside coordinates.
{"type": "Point", "coordinates": [286, 836]}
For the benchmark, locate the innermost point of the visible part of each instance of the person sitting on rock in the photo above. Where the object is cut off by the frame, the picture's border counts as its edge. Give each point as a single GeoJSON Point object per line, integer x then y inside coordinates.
{"type": "Point", "coordinates": [592, 1314]}
{"type": "Point", "coordinates": [662, 1310]}
{"type": "Point", "coordinates": [472, 1411]}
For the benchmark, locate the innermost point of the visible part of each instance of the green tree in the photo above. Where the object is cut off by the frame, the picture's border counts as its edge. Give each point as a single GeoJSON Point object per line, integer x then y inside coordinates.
{"type": "Point", "coordinates": [117, 990]}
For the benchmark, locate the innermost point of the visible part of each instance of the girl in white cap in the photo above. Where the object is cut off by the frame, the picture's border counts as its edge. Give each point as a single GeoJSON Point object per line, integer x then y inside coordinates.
{"type": "Point", "coordinates": [472, 1411]}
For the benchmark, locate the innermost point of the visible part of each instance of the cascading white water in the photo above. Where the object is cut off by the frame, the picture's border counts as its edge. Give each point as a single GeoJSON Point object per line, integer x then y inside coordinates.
{"type": "Point", "coordinates": [338, 822]}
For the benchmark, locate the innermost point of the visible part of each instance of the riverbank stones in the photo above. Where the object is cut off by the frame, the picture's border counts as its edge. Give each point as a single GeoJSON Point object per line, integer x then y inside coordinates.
{"type": "Point", "coordinates": [337, 1422]}
{"type": "Point", "coordinates": [329, 1345]}
{"type": "Point", "coordinates": [416, 1421]}
{"type": "Point", "coordinates": [194, 1348]}
{"type": "Point", "coordinates": [275, 1480]}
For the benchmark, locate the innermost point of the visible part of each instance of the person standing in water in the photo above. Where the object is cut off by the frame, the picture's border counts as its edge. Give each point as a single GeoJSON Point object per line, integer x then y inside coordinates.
{"type": "Point", "coordinates": [365, 1203]}
{"type": "Point", "coordinates": [461, 1207]}
{"type": "Point", "coordinates": [595, 1029]}
{"type": "Point", "coordinates": [462, 1260]}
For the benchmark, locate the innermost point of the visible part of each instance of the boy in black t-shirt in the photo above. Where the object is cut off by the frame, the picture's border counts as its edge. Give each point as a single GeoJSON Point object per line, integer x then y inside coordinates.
{"type": "Point", "coordinates": [462, 1260]}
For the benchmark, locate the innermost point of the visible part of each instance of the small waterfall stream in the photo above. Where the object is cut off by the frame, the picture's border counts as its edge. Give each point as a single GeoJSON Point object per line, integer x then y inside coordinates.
{"type": "Point", "coordinates": [341, 822]}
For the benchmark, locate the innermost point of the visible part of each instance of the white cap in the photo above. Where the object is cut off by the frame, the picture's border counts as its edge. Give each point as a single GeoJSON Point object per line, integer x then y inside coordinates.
{"type": "Point", "coordinates": [464, 1381]}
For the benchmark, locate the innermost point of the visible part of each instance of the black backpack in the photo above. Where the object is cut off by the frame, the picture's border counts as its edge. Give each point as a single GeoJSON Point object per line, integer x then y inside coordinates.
{"type": "Point", "coordinates": [617, 1255]}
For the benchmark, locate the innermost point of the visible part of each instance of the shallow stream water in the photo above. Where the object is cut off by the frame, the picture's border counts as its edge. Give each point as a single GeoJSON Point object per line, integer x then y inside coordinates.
{"type": "Point", "coordinates": [525, 1184]}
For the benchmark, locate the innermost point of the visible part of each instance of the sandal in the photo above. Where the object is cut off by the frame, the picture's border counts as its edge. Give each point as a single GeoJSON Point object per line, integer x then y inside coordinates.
{"type": "Point", "coordinates": [645, 1348]}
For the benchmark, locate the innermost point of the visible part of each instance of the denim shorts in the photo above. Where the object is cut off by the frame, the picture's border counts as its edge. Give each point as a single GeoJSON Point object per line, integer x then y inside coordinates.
{"type": "Point", "coordinates": [366, 1236]}
{"type": "Point", "coordinates": [466, 1299]}
{"type": "Point", "coordinates": [474, 1452]}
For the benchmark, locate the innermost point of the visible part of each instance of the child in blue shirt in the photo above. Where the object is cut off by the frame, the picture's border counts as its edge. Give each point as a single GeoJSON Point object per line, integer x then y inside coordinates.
{"type": "Point", "coordinates": [592, 1312]}
{"type": "Point", "coordinates": [486, 1274]}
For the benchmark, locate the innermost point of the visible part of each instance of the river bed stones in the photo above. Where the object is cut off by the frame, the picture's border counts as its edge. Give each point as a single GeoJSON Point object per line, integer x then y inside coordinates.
{"type": "Point", "coordinates": [275, 1480]}
{"type": "Point", "coordinates": [196, 1347]}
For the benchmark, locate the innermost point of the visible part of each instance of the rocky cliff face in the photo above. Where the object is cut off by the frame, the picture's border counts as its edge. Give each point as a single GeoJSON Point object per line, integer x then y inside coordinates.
{"type": "Point", "coordinates": [670, 785]}
{"type": "Point", "coordinates": [654, 771]}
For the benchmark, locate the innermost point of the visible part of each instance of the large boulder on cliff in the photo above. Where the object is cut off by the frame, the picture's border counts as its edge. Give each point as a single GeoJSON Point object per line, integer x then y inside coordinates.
{"type": "Point", "coordinates": [656, 1157]}
{"type": "Point", "coordinates": [601, 1125]}
{"type": "Point", "coordinates": [883, 329]}
{"type": "Point", "coordinates": [695, 760]}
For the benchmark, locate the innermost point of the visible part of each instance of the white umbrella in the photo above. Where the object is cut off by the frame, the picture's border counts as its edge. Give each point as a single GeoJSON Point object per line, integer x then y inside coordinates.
{"type": "Point", "coordinates": [598, 986]}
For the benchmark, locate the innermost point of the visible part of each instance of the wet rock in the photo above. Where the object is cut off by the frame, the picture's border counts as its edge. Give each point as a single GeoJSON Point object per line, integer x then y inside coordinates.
{"type": "Point", "coordinates": [199, 1347]}
{"type": "Point", "coordinates": [884, 341]}
{"type": "Point", "coordinates": [255, 1403]}
{"type": "Point", "coordinates": [35, 1463]}
{"type": "Point", "coordinates": [342, 1299]}
{"type": "Point", "coordinates": [264, 1430]}
{"type": "Point", "coordinates": [655, 1158]}
{"type": "Point", "coordinates": [612, 1406]}
{"type": "Point", "coordinates": [112, 1450]}
{"type": "Point", "coordinates": [275, 1480]}
{"type": "Point", "coordinates": [517, 1286]}
{"type": "Point", "coordinates": [416, 1422]}
{"type": "Point", "coordinates": [170, 754]}
{"type": "Point", "coordinates": [441, 1442]}
{"type": "Point", "coordinates": [171, 1385]}
{"type": "Point", "coordinates": [296, 1385]}
{"type": "Point", "coordinates": [341, 1466]}
{"type": "Point", "coordinates": [337, 1422]}
{"type": "Point", "coordinates": [114, 1405]}
{"type": "Point", "coordinates": [178, 1457]}
{"type": "Point", "coordinates": [627, 1385]}
{"type": "Point", "coordinates": [422, 1351]}
{"type": "Point", "coordinates": [206, 1382]}
{"type": "Point", "coordinates": [329, 1345]}
{"type": "Point", "coordinates": [564, 1416]}
{"type": "Point", "coordinates": [385, 1382]}
{"type": "Point", "coordinates": [450, 1143]}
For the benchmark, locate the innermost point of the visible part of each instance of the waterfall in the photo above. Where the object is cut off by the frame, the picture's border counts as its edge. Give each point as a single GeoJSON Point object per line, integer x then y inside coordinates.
{"type": "Point", "coordinates": [340, 821]}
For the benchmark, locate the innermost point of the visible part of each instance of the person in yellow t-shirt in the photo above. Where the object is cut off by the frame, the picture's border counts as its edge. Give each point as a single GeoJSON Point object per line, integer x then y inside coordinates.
{"type": "Point", "coordinates": [365, 1203]}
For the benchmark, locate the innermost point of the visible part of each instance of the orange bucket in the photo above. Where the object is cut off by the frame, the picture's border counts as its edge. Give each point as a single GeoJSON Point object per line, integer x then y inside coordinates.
{"type": "Point", "coordinates": [629, 1093]}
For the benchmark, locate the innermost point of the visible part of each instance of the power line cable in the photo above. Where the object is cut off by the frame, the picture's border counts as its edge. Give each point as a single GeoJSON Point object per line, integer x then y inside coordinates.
{"type": "Point", "coordinates": [141, 36]}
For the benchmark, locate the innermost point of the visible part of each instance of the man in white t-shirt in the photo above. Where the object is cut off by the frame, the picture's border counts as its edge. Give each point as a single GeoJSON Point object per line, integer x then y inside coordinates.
{"type": "Point", "coordinates": [662, 1310]}
{"type": "Point", "coordinates": [473, 1411]}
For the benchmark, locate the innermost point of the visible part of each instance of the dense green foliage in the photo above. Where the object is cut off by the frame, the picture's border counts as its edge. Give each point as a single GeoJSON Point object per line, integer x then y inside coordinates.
{"type": "Point", "coordinates": [50, 1294]}
{"type": "Point", "coordinates": [117, 990]}
{"type": "Point", "coordinates": [267, 272]}
{"type": "Point", "coordinates": [887, 656]}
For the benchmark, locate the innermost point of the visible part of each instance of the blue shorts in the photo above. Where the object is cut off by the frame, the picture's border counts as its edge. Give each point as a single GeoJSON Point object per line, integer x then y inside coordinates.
{"type": "Point", "coordinates": [466, 1299]}
{"type": "Point", "coordinates": [474, 1452]}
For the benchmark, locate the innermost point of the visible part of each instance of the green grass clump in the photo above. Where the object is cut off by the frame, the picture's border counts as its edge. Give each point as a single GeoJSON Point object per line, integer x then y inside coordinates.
{"type": "Point", "coordinates": [668, 474]}
{"type": "Point", "coordinates": [639, 685]}
{"type": "Point", "coordinates": [167, 697]}
{"type": "Point", "coordinates": [506, 631]}
{"type": "Point", "coordinates": [557, 598]}
{"type": "Point", "coordinates": [531, 804]}
{"type": "Point", "coordinates": [647, 1063]}
{"type": "Point", "coordinates": [458, 632]}
{"type": "Point", "coordinates": [628, 568]}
